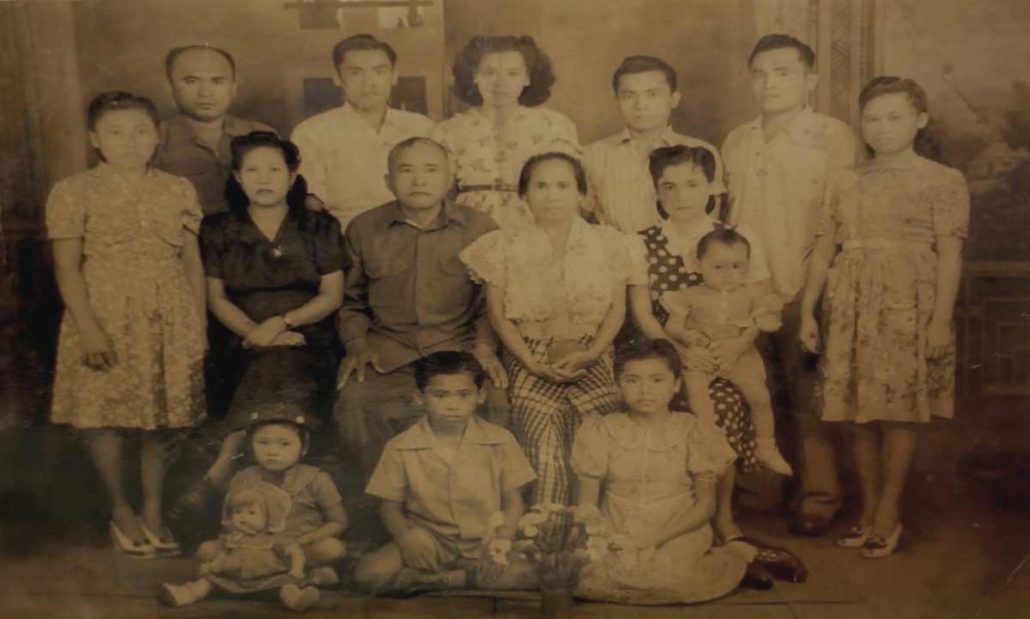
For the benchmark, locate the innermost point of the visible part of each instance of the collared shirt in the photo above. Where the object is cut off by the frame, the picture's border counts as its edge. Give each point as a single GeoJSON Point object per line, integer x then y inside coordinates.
{"type": "Point", "coordinates": [312, 490]}
{"type": "Point", "coordinates": [406, 290]}
{"type": "Point", "coordinates": [622, 191]}
{"type": "Point", "coordinates": [454, 496]}
{"type": "Point", "coordinates": [182, 153]}
{"type": "Point", "coordinates": [343, 158]}
{"type": "Point", "coordinates": [777, 186]}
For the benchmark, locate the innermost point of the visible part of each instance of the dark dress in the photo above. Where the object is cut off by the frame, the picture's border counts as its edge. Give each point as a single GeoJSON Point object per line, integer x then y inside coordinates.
{"type": "Point", "coordinates": [267, 278]}
{"type": "Point", "coordinates": [666, 271]}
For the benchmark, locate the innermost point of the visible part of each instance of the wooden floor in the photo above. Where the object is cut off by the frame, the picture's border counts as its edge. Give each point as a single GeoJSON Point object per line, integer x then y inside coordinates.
{"type": "Point", "coordinates": [964, 556]}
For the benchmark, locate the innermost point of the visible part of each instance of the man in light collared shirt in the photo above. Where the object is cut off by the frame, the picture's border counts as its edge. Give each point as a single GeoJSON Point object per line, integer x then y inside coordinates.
{"type": "Point", "coordinates": [621, 189]}
{"type": "Point", "coordinates": [778, 166]}
{"type": "Point", "coordinates": [195, 142]}
{"type": "Point", "coordinates": [343, 151]}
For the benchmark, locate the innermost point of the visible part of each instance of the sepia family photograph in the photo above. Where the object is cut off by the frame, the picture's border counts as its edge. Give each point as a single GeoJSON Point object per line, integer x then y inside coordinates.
{"type": "Point", "coordinates": [705, 309]}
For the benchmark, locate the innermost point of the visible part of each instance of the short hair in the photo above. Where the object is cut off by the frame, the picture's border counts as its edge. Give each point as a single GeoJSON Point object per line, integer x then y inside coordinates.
{"type": "Point", "coordinates": [538, 65]}
{"type": "Point", "coordinates": [362, 42]}
{"type": "Point", "coordinates": [303, 433]}
{"type": "Point", "coordinates": [447, 363]}
{"type": "Point", "coordinates": [116, 100]}
{"type": "Point", "coordinates": [770, 42]}
{"type": "Point", "coordinates": [925, 144]}
{"type": "Point", "coordinates": [665, 157]}
{"type": "Point", "coordinates": [174, 53]}
{"type": "Point", "coordinates": [642, 348]}
{"type": "Point", "coordinates": [527, 170]}
{"type": "Point", "coordinates": [722, 236]}
{"type": "Point", "coordinates": [404, 145]}
{"type": "Point", "coordinates": [632, 65]}
{"type": "Point", "coordinates": [243, 144]}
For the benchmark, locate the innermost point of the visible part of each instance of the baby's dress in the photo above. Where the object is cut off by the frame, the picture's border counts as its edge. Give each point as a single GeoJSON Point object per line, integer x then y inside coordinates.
{"type": "Point", "coordinates": [489, 162]}
{"type": "Point", "coordinates": [252, 563]}
{"type": "Point", "coordinates": [132, 244]}
{"type": "Point", "coordinates": [721, 315]}
{"type": "Point", "coordinates": [881, 291]}
{"type": "Point", "coordinates": [647, 476]}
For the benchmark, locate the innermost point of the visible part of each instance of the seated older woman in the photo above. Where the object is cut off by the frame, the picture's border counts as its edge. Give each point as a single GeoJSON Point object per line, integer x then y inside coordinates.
{"type": "Point", "coordinates": [506, 80]}
{"type": "Point", "coordinates": [556, 296]}
{"type": "Point", "coordinates": [275, 279]}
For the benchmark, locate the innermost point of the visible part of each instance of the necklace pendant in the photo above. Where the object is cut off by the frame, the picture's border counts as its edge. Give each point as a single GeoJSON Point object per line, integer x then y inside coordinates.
{"type": "Point", "coordinates": [277, 252]}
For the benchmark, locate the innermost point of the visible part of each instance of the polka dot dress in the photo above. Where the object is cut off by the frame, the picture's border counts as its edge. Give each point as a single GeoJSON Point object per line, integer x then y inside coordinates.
{"type": "Point", "coordinates": [667, 271]}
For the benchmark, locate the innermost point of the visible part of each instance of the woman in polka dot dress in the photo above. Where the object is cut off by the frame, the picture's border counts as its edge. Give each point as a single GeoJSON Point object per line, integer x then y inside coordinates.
{"type": "Point", "coordinates": [665, 259]}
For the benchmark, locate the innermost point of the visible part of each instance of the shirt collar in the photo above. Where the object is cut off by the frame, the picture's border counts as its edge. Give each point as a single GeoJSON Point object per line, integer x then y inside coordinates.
{"type": "Point", "coordinates": [421, 436]}
{"type": "Point", "coordinates": [907, 163]}
{"type": "Point", "coordinates": [450, 213]}
{"type": "Point", "coordinates": [389, 117]}
{"type": "Point", "coordinates": [249, 232]}
{"type": "Point", "coordinates": [795, 126]}
{"type": "Point", "coordinates": [666, 138]}
{"type": "Point", "coordinates": [696, 231]}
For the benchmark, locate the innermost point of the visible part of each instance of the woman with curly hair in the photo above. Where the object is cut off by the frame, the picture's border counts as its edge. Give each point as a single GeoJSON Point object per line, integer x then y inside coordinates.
{"type": "Point", "coordinates": [505, 80]}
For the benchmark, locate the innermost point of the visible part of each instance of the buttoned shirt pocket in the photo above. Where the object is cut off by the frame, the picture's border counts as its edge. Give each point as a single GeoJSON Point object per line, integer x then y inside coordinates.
{"type": "Point", "coordinates": [388, 275]}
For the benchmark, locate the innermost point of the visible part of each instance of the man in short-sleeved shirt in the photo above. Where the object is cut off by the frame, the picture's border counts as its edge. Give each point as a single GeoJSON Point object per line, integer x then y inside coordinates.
{"type": "Point", "coordinates": [344, 150]}
{"type": "Point", "coordinates": [622, 192]}
{"type": "Point", "coordinates": [778, 166]}
{"type": "Point", "coordinates": [195, 142]}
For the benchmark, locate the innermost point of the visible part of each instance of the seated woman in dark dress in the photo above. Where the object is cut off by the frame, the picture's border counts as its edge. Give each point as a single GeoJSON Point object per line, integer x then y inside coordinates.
{"type": "Point", "coordinates": [275, 280]}
{"type": "Point", "coordinates": [664, 259]}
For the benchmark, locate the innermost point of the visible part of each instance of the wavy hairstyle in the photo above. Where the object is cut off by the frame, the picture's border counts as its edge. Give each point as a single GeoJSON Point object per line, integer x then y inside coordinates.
{"type": "Point", "coordinates": [925, 143]}
{"type": "Point", "coordinates": [679, 154]}
{"type": "Point", "coordinates": [538, 65]}
{"type": "Point", "coordinates": [243, 144]}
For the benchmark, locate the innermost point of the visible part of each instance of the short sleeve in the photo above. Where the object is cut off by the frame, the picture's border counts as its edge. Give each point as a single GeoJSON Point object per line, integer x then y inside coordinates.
{"type": "Point", "coordinates": [328, 242]}
{"type": "Point", "coordinates": [766, 311]}
{"type": "Point", "coordinates": [565, 137]}
{"type": "Point", "coordinates": [590, 449]}
{"type": "Point", "coordinates": [949, 206]}
{"type": "Point", "coordinates": [486, 258]}
{"type": "Point", "coordinates": [389, 480]}
{"type": "Point", "coordinates": [676, 301]}
{"type": "Point", "coordinates": [618, 255]}
{"type": "Point", "coordinates": [708, 452]}
{"type": "Point", "coordinates": [212, 247]}
{"type": "Point", "coordinates": [829, 218]}
{"type": "Point", "coordinates": [325, 492]}
{"type": "Point", "coordinates": [636, 249]}
{"type": "Point", "coordinates": [517, 471]}
{"type": "Point", "coordinates": [65, 212]}
{"type": "Point", "coordinates": [192, 214]}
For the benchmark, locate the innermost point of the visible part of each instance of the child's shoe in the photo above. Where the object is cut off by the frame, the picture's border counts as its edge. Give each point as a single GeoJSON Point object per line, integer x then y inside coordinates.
{"type": "Point", "coordinates": [877, 547]}
{"type": "Point", "coordinates": [767, 453]}
{"type": "Point", "coordinates": [185, 594]}
{"type": "Point", "coordinates": [298, 599]}
{"type": "Point", "coordinates": [855, 537]}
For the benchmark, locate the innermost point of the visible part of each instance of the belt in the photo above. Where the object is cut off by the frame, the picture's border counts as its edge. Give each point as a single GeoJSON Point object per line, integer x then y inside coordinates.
{"type": "Point", "coordinates": [885, 244]}
{"type": "Point", "coordinates": [489, 187]}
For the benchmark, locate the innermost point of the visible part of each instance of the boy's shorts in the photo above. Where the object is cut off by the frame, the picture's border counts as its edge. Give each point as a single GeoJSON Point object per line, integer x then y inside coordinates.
{"type": "Point", "coordinates": [449, 552]}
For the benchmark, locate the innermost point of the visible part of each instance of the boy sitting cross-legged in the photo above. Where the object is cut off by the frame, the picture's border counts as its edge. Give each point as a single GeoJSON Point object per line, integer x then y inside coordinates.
{"type": "Point", "coordinates": [440, 481]}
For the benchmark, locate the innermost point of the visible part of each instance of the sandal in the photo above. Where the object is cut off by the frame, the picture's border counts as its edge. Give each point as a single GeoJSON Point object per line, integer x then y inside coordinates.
{"type": "Point", "coordinates": [878, 547]}
{"type": "Point", "coordinates": [164, 545]}
{"type": "Point", "coordinates": [855, 537]}
{"type": "Point", "coordinates": [123, 543]}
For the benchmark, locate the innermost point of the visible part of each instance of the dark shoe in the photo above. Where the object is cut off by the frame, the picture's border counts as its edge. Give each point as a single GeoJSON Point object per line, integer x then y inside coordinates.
{"type": "Point", "coordinates": [756, 577]}
{"type": "Point", "coordinates": [781, 563]}
{"type": "Point", "coordinates": [809, 524]}
{"type": "Point", "coordinates": [195, 502]}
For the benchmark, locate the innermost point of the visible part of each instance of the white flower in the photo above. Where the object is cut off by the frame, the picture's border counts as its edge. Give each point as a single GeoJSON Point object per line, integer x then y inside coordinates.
{"type": "Point", "coordinates": [498, 550]}
{"type": "Point", "coordinates": [530, 530]}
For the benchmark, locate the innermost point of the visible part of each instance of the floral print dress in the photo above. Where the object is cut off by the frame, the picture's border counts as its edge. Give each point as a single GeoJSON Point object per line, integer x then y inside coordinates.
{"type": "Point", "coordinates": [648, 477]}
{"type": "Point", "coordinates": [881, 291]}
{"type": "Point", "coordinates": [132, 244]}
{"type": "Point", "coordinates": [489, 161]}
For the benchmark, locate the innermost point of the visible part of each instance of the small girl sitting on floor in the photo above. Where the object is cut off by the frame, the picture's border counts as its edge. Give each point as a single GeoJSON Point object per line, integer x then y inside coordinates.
{"type": "Point", "coordinates": [721, 308]}
{"type": "Point", "coordinates": [253, 554]}
{"type": "Point", "coordinates": [280, 435]}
